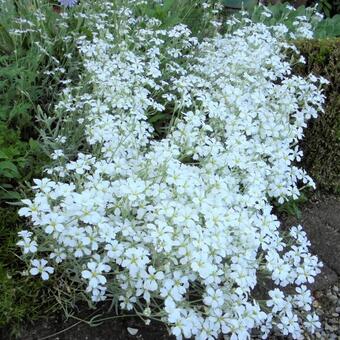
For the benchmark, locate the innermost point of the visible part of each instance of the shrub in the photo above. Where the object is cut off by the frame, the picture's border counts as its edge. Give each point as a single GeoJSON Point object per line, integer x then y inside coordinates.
{"type": "Point", "coordinates": [321, 144]}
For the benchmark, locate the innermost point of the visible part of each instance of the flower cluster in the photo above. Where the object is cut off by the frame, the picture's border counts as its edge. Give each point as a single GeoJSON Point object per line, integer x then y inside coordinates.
{"type": "Point", "coordinates": [182, 225]}
{"type": "Point", "coordinates": [68, 3]}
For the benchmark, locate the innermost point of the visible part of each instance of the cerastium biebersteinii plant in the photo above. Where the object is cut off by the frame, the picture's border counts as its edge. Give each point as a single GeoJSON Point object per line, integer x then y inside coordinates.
{"type": "Point", "coordinates": [180, 228]}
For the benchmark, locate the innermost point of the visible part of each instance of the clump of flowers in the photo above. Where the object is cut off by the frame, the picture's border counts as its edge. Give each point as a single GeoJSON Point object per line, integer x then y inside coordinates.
{"type": "Point", "coordinates": [180, 228]}
{"type": "Point", "coordinates": [68, 3]}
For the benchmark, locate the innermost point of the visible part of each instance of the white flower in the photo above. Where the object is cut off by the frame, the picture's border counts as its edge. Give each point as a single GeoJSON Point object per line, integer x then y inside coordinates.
{"type": "Point", "coordinates": [58, 153]}
{"type": "Point", "coordinates": [28, 245]}
{"type": "Point", "coordinates": [182, 219]}
{"type": "Point", "coordinates": [312, 323]}
{"type": "Point", "coordinates": [304, 298]}
{"type": "Point", "coordinates": [151, 278]}
{"type": "Point", "coordinates": [58, 255]}
{"type": "Point", "coordinates": [94, 274]}
{"type": "Point", "coordinates": [127, 301]}
{"type": "Point", "coordinates": [214, 297]}
{"type": "Point", "coordinates": [39, 267]}
{"type": "Point", "coordinates": [54, 223]}
{"type": "Point", "coordinates": [277, 301]}
{"type": "Point", "coordinates": [289, 325]}
{"type": "Point", "coordinates": [45, 185]}
{"type": "Point", "coordinates": [31, 210]}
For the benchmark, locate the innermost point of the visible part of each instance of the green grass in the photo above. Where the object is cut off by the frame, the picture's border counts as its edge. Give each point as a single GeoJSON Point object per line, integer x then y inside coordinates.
{"type": "Point", "coordinates": [22, 298]}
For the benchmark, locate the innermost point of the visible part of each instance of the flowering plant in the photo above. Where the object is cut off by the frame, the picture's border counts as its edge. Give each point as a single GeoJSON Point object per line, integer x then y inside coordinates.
{"type": "Point", "coordinates": [180, 228]}
{"type": "Point", "coordinates": [68, 3]}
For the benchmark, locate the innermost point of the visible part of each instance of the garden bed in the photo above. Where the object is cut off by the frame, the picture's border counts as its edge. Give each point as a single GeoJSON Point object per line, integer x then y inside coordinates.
{"type": "Point", "coordinates": [321, 219]}
{"type": "Point", "coordinates": [172, 152]}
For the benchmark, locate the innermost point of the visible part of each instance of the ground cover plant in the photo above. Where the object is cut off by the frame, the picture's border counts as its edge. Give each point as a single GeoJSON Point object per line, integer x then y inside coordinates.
{"type": "Point", "coordinates": [167, 154]}
{"type": "Point", "coordinates": [36, 54]}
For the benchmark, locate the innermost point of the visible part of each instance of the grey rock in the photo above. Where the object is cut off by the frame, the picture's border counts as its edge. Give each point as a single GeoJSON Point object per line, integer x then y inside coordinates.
{"type": "Point", "coordinates": [326, 278]}
{"type": "Point", "coordinates": [329, 327]}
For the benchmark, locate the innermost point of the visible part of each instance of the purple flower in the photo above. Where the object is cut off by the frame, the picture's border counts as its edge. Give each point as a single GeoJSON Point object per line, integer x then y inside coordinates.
{"type": "Point", "coordinates": [68, 3]}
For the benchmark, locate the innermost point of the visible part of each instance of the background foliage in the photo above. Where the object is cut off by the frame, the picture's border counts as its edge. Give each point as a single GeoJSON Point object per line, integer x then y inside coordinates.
{"type": "Point", "coordinates": [327, 28]}
{"type": "Point", "coordinates": [21, 297]}
{"type": "Point", "coordinates": [321, 144]}
{"type": "Point", "coordinates": [188, 12]}
{"type": "Point", "coordinates": [35, 59]}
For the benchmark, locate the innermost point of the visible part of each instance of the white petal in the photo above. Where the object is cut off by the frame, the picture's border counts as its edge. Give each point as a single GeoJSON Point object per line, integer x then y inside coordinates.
{"type": "Point", "coordinates": [101, 279]}
{"type": "Point", "coordinates": [49, 229]}
{"type": "Point", "coordinates": [34, 271]}
{"type": "Point", "coordinates": [44, 276]}
{"type": "Point", "coordinates": [35, 263]}
{"type": "Point", "coordinates": [86, 274]}
{"type": "Point", "coordinates": [93, 282]}
{"type": "Point", "coordinates": [49, 269]}
{"type": "Point", "coordinates": [132, 331]}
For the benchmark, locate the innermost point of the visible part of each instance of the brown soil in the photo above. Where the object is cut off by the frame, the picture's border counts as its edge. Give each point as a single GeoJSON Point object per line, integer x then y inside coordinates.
{"type": "Point", "coordinates": [320, 219]}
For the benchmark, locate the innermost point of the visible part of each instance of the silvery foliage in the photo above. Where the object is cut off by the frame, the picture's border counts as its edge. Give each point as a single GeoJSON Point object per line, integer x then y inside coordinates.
{"type": "Point", "coordinates": [181, 229]}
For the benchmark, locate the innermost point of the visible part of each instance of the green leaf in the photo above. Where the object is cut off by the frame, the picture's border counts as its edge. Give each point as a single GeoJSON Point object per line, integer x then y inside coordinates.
{"type": "Point", "coordinates": [6, 42]}
{"type": "Point", "coordinates": [8, 169]}
{"type": "Point", "coordinates": [34, 145]}
{"type": "Point", "coordinates": [3, 155]}
{"type": "Point", "coordinates": [9, 195]}
{"type": "Point", "coordinates": [328, 28]}
{"type": "Point", "coordinates": [239, 4]}
{"type": "Point", "coordinates": [158, 117]}
{"type": "Point", "coordinates": [167, 5]}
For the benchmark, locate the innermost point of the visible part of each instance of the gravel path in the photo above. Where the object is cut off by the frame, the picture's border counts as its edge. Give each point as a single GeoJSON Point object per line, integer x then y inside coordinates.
{"type": "Point", "coordinates": [327, 306]}
{"type": "Point", "coordinates": [320, 219]}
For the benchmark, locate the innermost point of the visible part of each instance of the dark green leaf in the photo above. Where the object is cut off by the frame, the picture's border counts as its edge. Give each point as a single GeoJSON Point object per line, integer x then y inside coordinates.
{"type": "Point", "coordinates": [8, 169]}
{"type": "Point", "coordinates": [6, 42]}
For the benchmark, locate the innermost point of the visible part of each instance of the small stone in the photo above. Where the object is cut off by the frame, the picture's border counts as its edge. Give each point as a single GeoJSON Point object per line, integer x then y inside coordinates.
{"type": "Point", "coordinates": [318, 335]}
{"type": "Point", "coordinates": [337, 309]}
{"type": "Point", "coordinates": [335, 314]}
{"type": "Point", "coordinates": [317, 294]}
{"type": "Point", "coordinates": [316, 304]}
{"type": "Point", "coordinates": [132, 331]}
{"type": "Point", "coordinates": [329, 327]}
{"type": "Point", "coordinates": [333, 297]}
